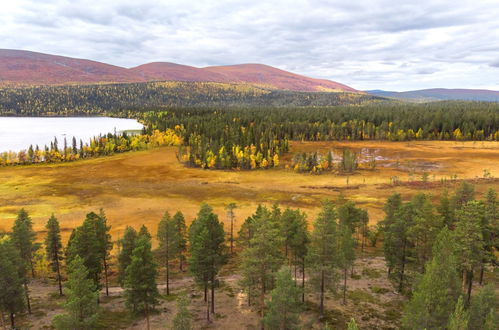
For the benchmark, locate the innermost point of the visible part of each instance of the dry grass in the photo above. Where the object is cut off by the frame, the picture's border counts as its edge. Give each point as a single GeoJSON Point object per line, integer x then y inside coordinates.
{"type": "Point", "coordinates": [138, 187]}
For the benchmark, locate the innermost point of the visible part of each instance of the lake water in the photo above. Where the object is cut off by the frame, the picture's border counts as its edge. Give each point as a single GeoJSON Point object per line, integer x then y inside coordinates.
{"type": "Point", "coordinates": [18, 133]}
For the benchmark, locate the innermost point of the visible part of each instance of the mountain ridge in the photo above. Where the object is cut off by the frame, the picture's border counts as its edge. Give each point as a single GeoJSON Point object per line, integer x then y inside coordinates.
{"type": "Point", "coordinates": [440, 94]}
{"type": "Point", "coordinates": [20, 67]}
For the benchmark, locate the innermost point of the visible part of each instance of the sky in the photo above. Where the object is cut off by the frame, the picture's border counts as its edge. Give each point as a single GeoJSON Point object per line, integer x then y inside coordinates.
{"type": "Point", "coordinates": [367, 44]}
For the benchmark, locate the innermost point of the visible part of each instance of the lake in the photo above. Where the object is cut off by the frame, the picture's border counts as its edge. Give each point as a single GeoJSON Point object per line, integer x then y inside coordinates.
{"type": "Point", "coordinates": [18, 133]}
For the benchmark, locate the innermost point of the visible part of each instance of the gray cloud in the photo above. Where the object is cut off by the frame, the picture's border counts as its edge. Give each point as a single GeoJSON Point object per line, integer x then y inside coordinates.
{"type": "Point", "coordinates": [367, 44]}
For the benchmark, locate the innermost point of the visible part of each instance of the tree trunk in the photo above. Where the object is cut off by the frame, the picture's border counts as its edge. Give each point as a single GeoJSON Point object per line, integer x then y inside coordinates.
{"type": "Point", "coordinates": [213, 295]}
{"type": "Point", "coordinates": [2, 320]}
{"type": "Point", "coordinates": [345, 286]}
{"type": "Point", "coordinates": [167, 275]}
{"type": "Point", "coordinates": [470, 286]}
{"type": "Point", "coordinates": [482, 270]}
{"type": "Point", "coordinates": [59, 280]}
{"type": "Point", "coordinates": [231, 234]}
{"type": "Point", "coordinates": [148, 326]}
{"type": "Point", "coordinates": [32, 268]}
{"type": "Point", "coordinates": [208, 311]}
{"type": "Point", "coordinates": [303, 280]}
{"type": "Point", "coordinates": [26, 292]}
{"type": "Point", "coordinates": [401, 280]}
{"type": "Point", "coordinates": [322, 295]}
{"type": "Point", "coordinates": [262, 301]}
{"type": "Point", "coordinates": [205, 292]}
{"type": "Point", "coordinates": [12, 322]}
{"type": "Point", "coordinates": [106, 278]}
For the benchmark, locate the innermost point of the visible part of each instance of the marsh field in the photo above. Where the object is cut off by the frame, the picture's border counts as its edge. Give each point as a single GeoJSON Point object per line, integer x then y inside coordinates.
{"type": "Point", "coordinates": [136, 188]}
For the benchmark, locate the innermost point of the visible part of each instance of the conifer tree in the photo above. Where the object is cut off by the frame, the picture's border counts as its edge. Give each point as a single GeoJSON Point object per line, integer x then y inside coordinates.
{"type": "Point", "coordinates": [23, 238]}
{"type": "Point", "coordinates": [392, 208]}
{"type": "Point", "coordinates": [168, 245]}
{"type": "Point", "coordinates": [445, 210]}
{"type": "Point", "coordinates": [183, 318]}
{"type": "Point", "coordinates": [438, 289]}
{"type": "Point", "coordinates": [81, 305]}
{"type": "Point", "coordinates": [483, 309]}
{"type": "Point", "coordinates": [464, 194]}
{"type": "Point", "coordinates": [299, 245]}
{"type": "Point", "coordinates": [262, 258]}
{"type": "Point", "coordinates": [179, 224]}
{"type": "Point", "coordinates": [207, 249]}
{"type": "Point", "coordinates": [143, 231]}
{"type": "Point", "coordinates": [230, 215]}
{"type": "Point", "coordinates": [53, 247]}
{"type": "Point", "coordinates": [323, 251]}
{"type": "Point", "coordinates": [469, 235]}
{"type": "Point", "coordinates": [284, 305]}
{"type": "Point", "coordinates": [106, 244]}
{"type": "Point", "coordinates": [352, 325]}
{"type": "Point", "coordinates": [127, 244]}
{"type": "Point", "coordinates": [458, 320]}
{"type": "Point", "coordinates": [12, 273]}
{"type": "Point", "coordinates": [490, 230]}
{"type": "Point", "coordinates": [346, 253]}
{"type": "Point", "coordinates": [141, 290]}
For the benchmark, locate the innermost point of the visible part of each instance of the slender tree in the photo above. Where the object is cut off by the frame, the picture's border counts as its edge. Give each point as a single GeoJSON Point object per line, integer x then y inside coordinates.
{"type": "Point", "coordinates": [179, 223]}
{"type": "Point", "coordinates": [183, 318]}
{"type": "Point", "coordinates": [284, 306]}
{"type": "Point", "coordinates": [436, 293]}
{"type": "Point", "coordinates": [352, 325]}
{"type": "Point", "coordinates": [81, 305]}
{"type": "Point", "coordinates": [392, 208]}
{"type": "Point", "coordinates": [464, 194]}
{"type": "Point", "coordinates": [299, 245]}
{"type": "Point", "coordinates": [323, 251]}
{"type": "Point", "coordinates": [230, 216]}
{"type": "Point", "coordinates": [127, 244]}
{"type": "Point", "coordinates": [141, 290]}
{"type": "Point", "coordinates": [53, 248]}
{"type": "Point", "coordinates": [168, 245]}
{"type": "Point", "coordinates": [483, 309]}
{"type": "Point", "coordinates": [12, 273]}
{"type": "Point", "coordinates": [445, 210]}
{"type": "Point", "coordinates": [490, 231]}
{"type": "Point", "coordinates": [346, 253]}
{"type": "Point", "coordinates": [458, 320]}
{"type": "Point", "coordinates": [23, 238]}
{"type": "Point", "coordinates": [206, 236]}
{"type": "Point", "coordinates": [106, 244]}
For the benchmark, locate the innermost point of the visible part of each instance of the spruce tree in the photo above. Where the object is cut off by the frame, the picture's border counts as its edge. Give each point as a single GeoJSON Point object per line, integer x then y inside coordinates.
{"type": "Point", "coordinates": [458, 320]}
{"type": "Point", "coordinates": [284, 306]}
{"type": "Point", "coordinates": [106, 244]}
{"type": "Point", "coordinates": [183, 318]}
{"type": "Point", "coordinates": [23, 238]}
{"type": "Point", "coordinates": [53, 247]}
{"type": "Point", "coordinates": [483, 309]}
{"type": "Point", "coordinates": [181, 228]}
{"type": "Point", "coordinates": [346, 253]}
{"type": "Point", "coordinates": [471, 247]}
{"type": "Point", "coordinates": [437, 291]}
{"type": "Point", "coordinates": [82, 309]}
{"type": "Point", "coordinates": [392, 208]}
{"type": "Point", "coordinates": [299, 245]}
{"type": "Point", "coordinates": [141, 291]}
{"type": "Point", "coordinates": [445, 210]}
{"type": "Point", "coordinates": [323, 251]}
{"type": "Point", "coordinates": [464, 194]}
{"type": "Point", "coordinates": [490, 231]}
{"type": "Point", "coordinates": [168, 245]}
{"type": "Point", "coordinates": [262, 258]}
{"type": "Point", "coordinates": [206, 237]}
{"type": "Point", "coordinates": [352, 325]}
{"type": "Point", "coordinates": [127, 244]}
{"type": "Point", "coordinates": [12, 273]}
{"type": "Point", "coordinates": [230, 215]}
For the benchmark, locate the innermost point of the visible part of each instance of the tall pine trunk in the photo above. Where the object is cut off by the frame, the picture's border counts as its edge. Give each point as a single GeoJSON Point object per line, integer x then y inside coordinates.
{"type": "Point", "coordinates": [482, 270]}
{"type": "Point", "coordinates": [322, 295]}
{"type": "Point", "coordinates": [12, 321]}
{"type": "Point", "coordinates": [147, 317]}
{"type": "Point", "coordinates": [345, 286]}
{"type": "Point", "coordinates": [401, 279]}
{"type": "Point", "coordinates": [303, 280]}
{"type": "Point", "coordinates": [26, 292]}
{"type": "Point", "coordinates": [167, 273]}
{"type": "Point", "coordinates": [470, 286]}
{"type": "Point", "coordinates": [59, 280]}
{"type": "Point", "coordinates": [32, 267]}
{"type": "Point", "coordinates": [106, 281]}
{"type": "Point", "coordinates": [231, 235]}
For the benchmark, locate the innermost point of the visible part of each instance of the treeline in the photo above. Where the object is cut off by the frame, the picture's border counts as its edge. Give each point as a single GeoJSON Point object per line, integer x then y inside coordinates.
{"type": "Point", "coordinates": [428, 250]}
{"type": "Point", "coordinates": [98, 146]}
{"type": "Point", "coordinates": [317, 163]}
{"type": "Point", "coordinates": [78, 100]}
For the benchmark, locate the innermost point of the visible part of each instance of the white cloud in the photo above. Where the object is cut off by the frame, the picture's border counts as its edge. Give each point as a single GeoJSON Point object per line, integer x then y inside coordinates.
{"type": "Point", "coordinates": [369, 44]}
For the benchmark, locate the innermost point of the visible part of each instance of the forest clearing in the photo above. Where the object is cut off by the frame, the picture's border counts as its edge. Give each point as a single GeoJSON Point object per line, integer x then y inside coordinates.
{"type": "Point", "coordinates": [137, 188]}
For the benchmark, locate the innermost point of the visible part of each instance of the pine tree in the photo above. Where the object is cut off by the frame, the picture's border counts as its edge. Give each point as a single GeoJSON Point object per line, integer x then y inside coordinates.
{"type": "Point", "coordinates": [458, 320]}
{"type": "Point", "coordinates": [299, 245]}
{"type": "Point", "coordinates": [323, 251]}
{"type": "Point", "coordinates": [183, 318]}
{"type": "Point", "coordinates": [53, 247]}
{"type": "Point", "coordinates": [81, 305]}
{"type": "Point", "coordinates": [127, 244]}
{"type": "Point", "coordinates": [84, 242]}
{"type": "Point", "coordinates": [168, 244]}
{"type": "Point", "coordinates": [106, 244]}
{"type": "Point", "coordinates": [392, 208]}
{"type": "Point", "coordinates": [23, 238]}
{"type": "Point", "coordinates": [346, 253]}
{"type": "Point", "coordinates": [206, 236]}
{"type": "Point", "coordinates": [141, 290]}
{"type": "Point", "coordinates": [437, 291]}
{"type": "Point", "coordinates": [464, 194]}
{"type": "Point", "coordinates": [445, 210]}
{"type": "Point", "coordinates": [262, 258]}
{"type": "Point", "coordinates": [284, 305]}
{"type": "Point", "coordinates": [179, 224]}
{"type": "Point", "coordinates": [483, 309]}
{"type": "Point", "coordinates": [12, 273]}
{"type": "Point", "coordinates": [469, 235]}
{"type": "Point", "coordinates": [230, 215]}
{"type": "Point", "coordinates": [352, 325]}
{"type": "Point", "coordinates": [490, 230]}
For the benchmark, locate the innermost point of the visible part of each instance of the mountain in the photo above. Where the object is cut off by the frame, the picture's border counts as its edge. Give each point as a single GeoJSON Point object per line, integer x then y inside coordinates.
{"type": "Point", "coordinates": [441, 94]}
{"type": "Point", "coordinates": [19, 67]}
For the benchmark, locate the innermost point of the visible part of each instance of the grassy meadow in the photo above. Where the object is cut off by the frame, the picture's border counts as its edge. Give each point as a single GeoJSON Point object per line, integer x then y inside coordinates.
{"type": "Point", "coordinates": [138, 187]}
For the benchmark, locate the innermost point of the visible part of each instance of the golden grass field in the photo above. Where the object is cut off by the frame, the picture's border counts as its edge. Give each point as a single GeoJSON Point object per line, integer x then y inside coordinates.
{"type": "Point", "coordinates": [138, 187]}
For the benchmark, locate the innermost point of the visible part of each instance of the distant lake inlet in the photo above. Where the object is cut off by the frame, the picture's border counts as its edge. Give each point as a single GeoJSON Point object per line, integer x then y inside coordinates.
{"type": "Point", "coordinates": [18, 133]}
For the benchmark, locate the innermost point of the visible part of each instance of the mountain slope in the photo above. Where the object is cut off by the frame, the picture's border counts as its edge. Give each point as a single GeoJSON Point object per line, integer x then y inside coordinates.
{"type": "Point", "coordinates": [18, 67]}
{"type": "Point", "coordinates": [441, 94]}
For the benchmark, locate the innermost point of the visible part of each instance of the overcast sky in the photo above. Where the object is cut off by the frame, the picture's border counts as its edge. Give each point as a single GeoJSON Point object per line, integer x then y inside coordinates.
{"type": "Point", "coordinates": [367, 44]}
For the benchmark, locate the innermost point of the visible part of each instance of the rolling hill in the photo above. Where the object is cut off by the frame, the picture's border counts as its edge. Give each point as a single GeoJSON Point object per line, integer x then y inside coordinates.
{"type": "Point", "coordinates": [21, 68]}
{"type": "Point", "coordinates": [441, 94]}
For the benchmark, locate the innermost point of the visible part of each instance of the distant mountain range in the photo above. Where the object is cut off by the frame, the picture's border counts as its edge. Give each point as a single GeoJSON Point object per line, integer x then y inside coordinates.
{"type": "Point", "coordinates": [440, 94]}
{"type": "Point", "coordinates": [21, 68]}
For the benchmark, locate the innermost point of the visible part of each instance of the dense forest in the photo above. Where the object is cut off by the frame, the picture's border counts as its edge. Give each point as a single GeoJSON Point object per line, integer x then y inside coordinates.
{"type": "Point", "coordinates": [436, 256]}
